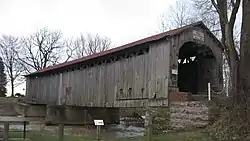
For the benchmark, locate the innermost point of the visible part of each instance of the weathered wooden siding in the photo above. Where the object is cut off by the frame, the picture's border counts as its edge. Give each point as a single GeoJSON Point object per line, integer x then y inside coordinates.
{"type": "Point", "coordinates": [116, 83]}
{"type": "Point", "coordinates": [150, 78]}
{"type": "Point", "coordinates": [126, 82]}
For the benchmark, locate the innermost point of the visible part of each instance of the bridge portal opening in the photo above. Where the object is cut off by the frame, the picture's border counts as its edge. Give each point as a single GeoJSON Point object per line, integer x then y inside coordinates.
{"type": "Point", "coordinates": [196, 67]}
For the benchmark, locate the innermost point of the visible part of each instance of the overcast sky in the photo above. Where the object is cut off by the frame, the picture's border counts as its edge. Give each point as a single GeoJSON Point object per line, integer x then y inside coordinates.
{"type": "Point", "coordinates": [121, 20]}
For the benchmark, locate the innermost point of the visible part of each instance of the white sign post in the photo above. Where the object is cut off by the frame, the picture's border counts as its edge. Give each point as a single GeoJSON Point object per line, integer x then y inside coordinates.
{"type": "Point", "coordinates": [98, 124]}
{"type": "Point", "coordinates": [209, 91]}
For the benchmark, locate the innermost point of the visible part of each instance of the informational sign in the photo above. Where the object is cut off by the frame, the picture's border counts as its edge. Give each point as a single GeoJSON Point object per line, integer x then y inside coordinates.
{"type": "Point", "coordinates": [98, 122]}
{"type": "Point", "coordinates": [174, 71]}
{"type": "Point", "coordinates": [198, 35]}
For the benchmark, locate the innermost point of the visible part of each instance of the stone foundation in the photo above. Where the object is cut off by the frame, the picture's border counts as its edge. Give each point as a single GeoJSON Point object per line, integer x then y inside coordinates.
{"type": "Point", "coordinates": [180, 96]}
{"type": "Point", "coordinates": [186, 115]}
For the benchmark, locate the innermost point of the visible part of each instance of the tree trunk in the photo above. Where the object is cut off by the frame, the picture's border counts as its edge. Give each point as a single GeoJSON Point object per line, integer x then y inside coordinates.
{"type": "Point", "coordinates": [245, 52]}
{"type": "Point", "coordinates": [232, 57]}
{"type": "Point", "coordinates": [12, 88]}
{"type": "Point", "coordinates": [228, 43]}
{"type": "Point", "coordinates": [12, 83]}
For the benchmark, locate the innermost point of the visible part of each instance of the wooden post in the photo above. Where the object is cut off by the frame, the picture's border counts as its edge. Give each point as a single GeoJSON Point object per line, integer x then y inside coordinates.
{"type": "Point", "coordinates": [148, 118]}
{"type": "Point", "coordinates": [6, 131]}
{"type": "Point", "coordinates": [149, 137]}
{"type": "Point", "coordinates": [61, 131]}
{"type": "Point", "coordinates": [98, 132]}
{"type": "Point", "coordinates": [24, 130]}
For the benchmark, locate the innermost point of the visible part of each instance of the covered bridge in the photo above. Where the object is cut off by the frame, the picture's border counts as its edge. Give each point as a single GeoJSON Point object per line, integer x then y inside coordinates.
{"type": "Point", "coordinates": [154, 68]}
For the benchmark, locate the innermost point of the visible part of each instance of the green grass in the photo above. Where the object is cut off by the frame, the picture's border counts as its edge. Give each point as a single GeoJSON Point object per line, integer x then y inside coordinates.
{"type": "Point", "coordinates": [36, 136]}
{"type": "Point", "coordinates": [181, 136]}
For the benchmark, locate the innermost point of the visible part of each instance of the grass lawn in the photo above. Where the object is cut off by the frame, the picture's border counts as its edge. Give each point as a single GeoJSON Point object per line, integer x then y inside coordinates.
{"type": "Point", "coordinates": [181, 136]}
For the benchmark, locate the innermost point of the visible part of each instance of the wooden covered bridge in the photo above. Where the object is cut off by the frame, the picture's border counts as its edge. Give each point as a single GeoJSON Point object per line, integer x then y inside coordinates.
{"type": "Point", "coordinates": [157, 69]}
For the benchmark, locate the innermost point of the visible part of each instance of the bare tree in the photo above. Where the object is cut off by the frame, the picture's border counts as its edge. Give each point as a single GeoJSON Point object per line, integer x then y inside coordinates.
{"type": "Point", "coordinates": [178, 15]}
{"type": "Point", "coordinates": [9, 46]}
{"type": "Point", "coordinates": [184, 12]}
{"type": "Point", "coordinates": [91, 44]}
{"type": "Point", "coordinates": [41, 49]}
{"type": "Point", "coordinates": [208, 14]}
{"type": "Point", "coordinates": [227, 12]}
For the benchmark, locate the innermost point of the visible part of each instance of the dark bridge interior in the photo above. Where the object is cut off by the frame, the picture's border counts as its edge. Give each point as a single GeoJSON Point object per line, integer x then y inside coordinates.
{"type": "Point", "coordinates": [196, 67]}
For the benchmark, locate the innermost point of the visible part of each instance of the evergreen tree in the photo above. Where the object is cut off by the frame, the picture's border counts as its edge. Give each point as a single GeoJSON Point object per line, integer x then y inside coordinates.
{"type": "Point", "coordinates": [3, 80]}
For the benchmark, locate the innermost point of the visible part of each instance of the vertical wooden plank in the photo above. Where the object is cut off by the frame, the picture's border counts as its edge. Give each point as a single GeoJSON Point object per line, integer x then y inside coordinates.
{"type": "Point", "coordinates": [87, 85]}
{"type": "Point", "coordinates": [84, 90]}
{"type": "Point", "coordinates": [38, 88]}
{"type": "Point", "coordinates": [125, 78]}
{"type": "Point", "coordinates": [78, 87]}
{"type": "Point", "coordinates": [98, 78]}
{"type": "Point", "coordinates": [157, 69]}
{"type": "Point", "coordinates": [135, 78]}
{"type": "Point", "coordinates": [166, 60]}
{"type": "Point", "coordinates": [48, 89]}
{"type": "Point", "coordinates": [60, 90]}
{"type": "Point", "coordinates": [35, 88]}
{"type": "Point", "coordinates": [56, 86]}
{"type": "Point", "coordinates": [45, 83]}
{"type": "Point", "coordinates": [76, 94]}
{"type": "Point", "coordinates": [153, 71]}
{"type": "Point", "coordinates": [91, 80]}
{"type": "Point", "coordinates": [146, 77]}
{"type": "Point", "coordinates": [120, 78]}
{"type": "Point", "coordinates": [149, 73]}
{"type": "Point", "coordinates": [117, 74]}
{"type": "Point", "coordinates": [107, 83]}
{"type": "Point", "coordinates": [91, 84]}
{"type": "Point", "coordinates": [72, 96]}
{"type": "Point", "coordinates": [91, 95]}
{"type": "Point", "coordinates": [28, 87]}
{"type": "Point", "coordinates": [51, 88]}
{"type": "Point", "coordinates": [112, 84]}
{"type": "Point", "coordinates": [103, 79]}
{"type": "Point", "coordinates": [95, 84]}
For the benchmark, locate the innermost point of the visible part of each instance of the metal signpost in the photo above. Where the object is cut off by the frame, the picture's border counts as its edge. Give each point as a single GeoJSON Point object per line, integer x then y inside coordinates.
{"type": "Point", "coordinates": [98, 124]}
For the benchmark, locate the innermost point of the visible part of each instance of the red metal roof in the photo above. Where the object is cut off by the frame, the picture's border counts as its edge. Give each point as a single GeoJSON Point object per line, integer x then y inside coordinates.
{"type": "Point", "coordinates": [113, 50]}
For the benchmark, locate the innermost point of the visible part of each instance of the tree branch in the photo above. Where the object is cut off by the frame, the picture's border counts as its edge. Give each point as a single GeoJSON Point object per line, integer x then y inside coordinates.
{"type": "Point", "coordinates": [236, 6]}
{"type": "Point", "coordinates": [219, 11]}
